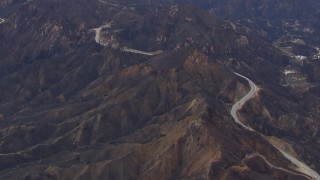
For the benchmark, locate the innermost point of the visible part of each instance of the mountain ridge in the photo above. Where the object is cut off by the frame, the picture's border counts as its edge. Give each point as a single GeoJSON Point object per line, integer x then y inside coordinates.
{"type": "Point", "coordinates": [75, 107]}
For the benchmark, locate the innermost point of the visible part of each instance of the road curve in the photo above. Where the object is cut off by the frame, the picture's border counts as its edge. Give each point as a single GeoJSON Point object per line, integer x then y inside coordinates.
{"type": "Point", "coordinates": [303, 168]}
{"type": "Point", "coordinates": [98, 30]}
{"type": "Point", "coordinates": [99, 40]}
{"type": "Point", "coordinates": [238, 105]}
{"type": "Point", "coordinates": [1, 20]}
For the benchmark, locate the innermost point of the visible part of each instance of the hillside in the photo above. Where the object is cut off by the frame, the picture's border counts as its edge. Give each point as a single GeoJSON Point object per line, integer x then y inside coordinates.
{"type": "Point", "coordinates": [136, 90]}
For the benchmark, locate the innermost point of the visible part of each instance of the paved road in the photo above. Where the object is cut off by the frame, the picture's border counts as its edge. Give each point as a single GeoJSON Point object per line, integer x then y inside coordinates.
{"type": "Point", "coordinates": [99, 40]}
{"type": "Point", "coordinates": [125, 49]}
{"type": "Point", "coordinates": [238, 105]}
{"type": "Point", "coordinates": [98, 33]}
{"type": "Point", "coordinates": [1, 20]}
{"type": "Point", "coordinates": [271, 165]}
{"type": "Point", "coordinates": [303, 168]}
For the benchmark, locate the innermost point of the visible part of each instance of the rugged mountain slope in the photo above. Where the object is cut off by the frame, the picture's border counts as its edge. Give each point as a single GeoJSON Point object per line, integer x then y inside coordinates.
{"type": "Point", "coordinates": [154, 123]}
{"type": "Point", "coordinates": [79, 101]}
{"type": "Point", "coordinates": [272, 17]}
{"type": "Point", "coordinates": [33, 52]}
{"type": "Point", "coordinates": [289, 111]}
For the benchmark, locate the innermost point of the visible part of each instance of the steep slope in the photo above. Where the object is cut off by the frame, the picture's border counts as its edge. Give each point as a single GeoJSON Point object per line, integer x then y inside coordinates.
{"type": "Point", "coordinates": [80, 99]}
{"type": "Point", "coordinates": [287, 108]}
{"type": "Point", "coordinates": [57, 45]}
{"type": "Point", "coordinates": [172, 125]}
{"type": "Point", "coordinates": [273, 17]}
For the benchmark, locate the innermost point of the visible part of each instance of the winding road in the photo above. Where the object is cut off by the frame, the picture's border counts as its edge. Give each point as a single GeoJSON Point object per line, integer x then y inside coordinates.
{"type": "Point", "coordinates": [238, 105]}
{"type": "Point", "coordinates": [97, 37]}
{"type": "Point", "coordinates": [303, 168]}
{"type": "Point", "coordinates": [99, 40]}
{"type": "Point", "coordinates": [1, 20]}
